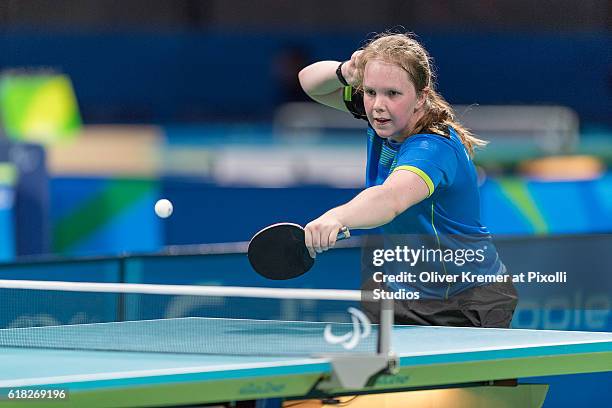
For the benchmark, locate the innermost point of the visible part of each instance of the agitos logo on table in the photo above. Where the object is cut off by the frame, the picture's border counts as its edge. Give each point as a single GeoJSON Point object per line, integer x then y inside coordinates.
{"type": "Point", "coordinates": [361, 329]}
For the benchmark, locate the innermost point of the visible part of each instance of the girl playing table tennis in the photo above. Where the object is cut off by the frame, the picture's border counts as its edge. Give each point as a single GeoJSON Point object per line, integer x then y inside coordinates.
{"type": "Point", "coordinates": [420, 177]}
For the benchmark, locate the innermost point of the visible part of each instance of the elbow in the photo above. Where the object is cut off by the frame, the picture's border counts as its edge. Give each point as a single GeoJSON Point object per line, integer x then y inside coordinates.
{"type": "Point", "coordinates": [393, 205]}
{"type": "Point", "coordinates": [394, 211]}
{"type": "Point", "coordinates": [397, 204]}
{"type": "Point", "coordinates": [389, 214]}
{"type": "Point", "coordinates": [302, 78]}
{"type": "Point", "coordinates": [308, 78]}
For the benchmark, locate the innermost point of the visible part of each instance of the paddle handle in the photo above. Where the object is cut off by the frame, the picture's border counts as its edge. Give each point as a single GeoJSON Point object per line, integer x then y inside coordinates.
{"type": "Point", "coordinates": [344, 233]}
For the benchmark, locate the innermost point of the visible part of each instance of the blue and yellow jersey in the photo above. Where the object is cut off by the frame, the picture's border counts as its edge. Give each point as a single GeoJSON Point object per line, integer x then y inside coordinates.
{"type": "Point", "coordinates": [453, 204]}
{"type": "Point", "coordinates": [450, 215]}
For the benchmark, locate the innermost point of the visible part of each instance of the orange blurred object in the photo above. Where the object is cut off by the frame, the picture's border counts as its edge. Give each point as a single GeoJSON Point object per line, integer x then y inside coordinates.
{"type": "Point", "coordinates": [563, 168]}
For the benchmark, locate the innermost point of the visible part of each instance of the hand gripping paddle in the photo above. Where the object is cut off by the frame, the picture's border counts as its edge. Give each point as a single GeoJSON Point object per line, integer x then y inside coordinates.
{"type": "Point", "coordinates": [279, 252]}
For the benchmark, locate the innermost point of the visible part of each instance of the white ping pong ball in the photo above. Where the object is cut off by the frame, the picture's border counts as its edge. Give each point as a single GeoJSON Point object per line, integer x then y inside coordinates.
{"type": "Point", "coordinates": [163, 208]}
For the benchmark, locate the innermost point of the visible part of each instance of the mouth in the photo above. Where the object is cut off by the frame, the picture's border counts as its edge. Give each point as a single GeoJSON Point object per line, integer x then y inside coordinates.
{"type": "Point", "coordinates": [381, 121]}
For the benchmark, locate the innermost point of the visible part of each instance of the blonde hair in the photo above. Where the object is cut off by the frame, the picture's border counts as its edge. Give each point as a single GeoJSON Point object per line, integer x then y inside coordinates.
{"type": "Point", "coordinates": [403, 50]}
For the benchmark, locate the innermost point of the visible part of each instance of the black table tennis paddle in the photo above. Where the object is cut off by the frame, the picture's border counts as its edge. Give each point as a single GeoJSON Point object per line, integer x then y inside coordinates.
{"type": "Point", "coordinates": [279, 252]}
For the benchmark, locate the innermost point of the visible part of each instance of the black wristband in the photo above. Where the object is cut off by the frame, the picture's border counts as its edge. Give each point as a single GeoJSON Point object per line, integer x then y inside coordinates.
{"type": "Point", "coordinates": [340, 76]}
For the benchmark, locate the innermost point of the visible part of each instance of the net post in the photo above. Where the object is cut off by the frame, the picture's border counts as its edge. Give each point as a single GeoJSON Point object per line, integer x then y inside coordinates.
{"type": "Point", "coordinates": [385, 334]}
{"type": "Point", "coordinates": [386, 327]}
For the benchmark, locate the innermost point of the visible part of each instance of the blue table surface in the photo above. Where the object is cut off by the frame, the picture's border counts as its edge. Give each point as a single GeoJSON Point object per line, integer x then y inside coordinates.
{"type": "Point", "coordinates": [239, 348]}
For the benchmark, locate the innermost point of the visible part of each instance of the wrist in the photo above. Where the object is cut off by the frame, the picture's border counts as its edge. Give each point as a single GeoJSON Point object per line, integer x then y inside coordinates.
{"type": "Point", "coordinates": [340, 75]}
{"type": "Point", "coordinates": [336, 214]}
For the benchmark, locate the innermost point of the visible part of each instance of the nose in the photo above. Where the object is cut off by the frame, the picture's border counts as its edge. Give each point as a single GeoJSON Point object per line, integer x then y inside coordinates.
{"type": "Point", "coordinates": [379, 105]}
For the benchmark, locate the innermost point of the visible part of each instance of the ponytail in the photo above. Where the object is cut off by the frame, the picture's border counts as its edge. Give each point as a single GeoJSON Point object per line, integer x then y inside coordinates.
{"type": "Point", "coordinates": [439, 115]}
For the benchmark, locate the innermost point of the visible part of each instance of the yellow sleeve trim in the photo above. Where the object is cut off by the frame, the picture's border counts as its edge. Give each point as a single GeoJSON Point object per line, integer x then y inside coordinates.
{"type": "Point", "coordinates": [421, 174]}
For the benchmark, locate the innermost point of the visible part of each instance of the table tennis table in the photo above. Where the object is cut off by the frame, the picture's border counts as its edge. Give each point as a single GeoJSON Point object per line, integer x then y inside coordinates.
{"type": "Point", "coordinates": [271, 360]}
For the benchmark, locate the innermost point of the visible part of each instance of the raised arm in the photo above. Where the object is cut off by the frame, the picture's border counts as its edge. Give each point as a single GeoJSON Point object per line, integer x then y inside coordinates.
{"type": "Point", "coordinates": [321, 83]}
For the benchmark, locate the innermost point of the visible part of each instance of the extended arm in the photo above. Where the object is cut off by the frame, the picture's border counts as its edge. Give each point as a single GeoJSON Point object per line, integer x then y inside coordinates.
{"type": "Point", "coordinates": [373, 207]}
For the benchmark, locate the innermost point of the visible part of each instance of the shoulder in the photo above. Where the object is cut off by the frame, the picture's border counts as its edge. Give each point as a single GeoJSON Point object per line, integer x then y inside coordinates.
{"type": "Point", "coordinates": [436, 143]}
{"type": "Point", "coordinates": [427, 141]}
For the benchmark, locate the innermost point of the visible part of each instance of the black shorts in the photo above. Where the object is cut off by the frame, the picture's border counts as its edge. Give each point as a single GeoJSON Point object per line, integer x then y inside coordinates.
{"type": "Point", "coordinates": [491, 305]}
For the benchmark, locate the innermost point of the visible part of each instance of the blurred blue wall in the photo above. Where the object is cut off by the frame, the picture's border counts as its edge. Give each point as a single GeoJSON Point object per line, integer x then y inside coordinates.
{"type": "Point", "coordinates": [178, 76]}
{"type": "Point", "coordinates": [7, 232]}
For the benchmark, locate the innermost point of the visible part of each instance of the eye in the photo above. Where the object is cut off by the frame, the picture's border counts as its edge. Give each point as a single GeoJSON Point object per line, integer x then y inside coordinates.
{"type": "Point", "coordinates": [393, 93]}
{"type": "Point", "coordinates": [370, 92]}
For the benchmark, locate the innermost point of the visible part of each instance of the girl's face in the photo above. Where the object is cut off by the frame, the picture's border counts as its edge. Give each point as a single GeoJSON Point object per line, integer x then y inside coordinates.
{"type": "Point", "coordinates": [391, 102]}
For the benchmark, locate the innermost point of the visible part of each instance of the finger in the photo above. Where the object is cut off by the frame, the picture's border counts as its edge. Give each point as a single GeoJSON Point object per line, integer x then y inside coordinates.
{"type": "Point", "coordinates": [308, 242]}
{"type": "Point", "coordinates": [324, 241]}
{"type": "Point", "coordinates": [347, 68]}
{"type": "Point", "coordinates": [351, 68]}
{"type": "Point", "coordinates": [316, 241]}
{"type": "Point", "coordinates": [333, 235]}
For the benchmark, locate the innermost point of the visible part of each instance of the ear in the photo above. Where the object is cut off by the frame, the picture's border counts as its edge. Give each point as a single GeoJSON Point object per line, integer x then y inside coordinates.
{"type": "Point", "coordinates": [422, 98]}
